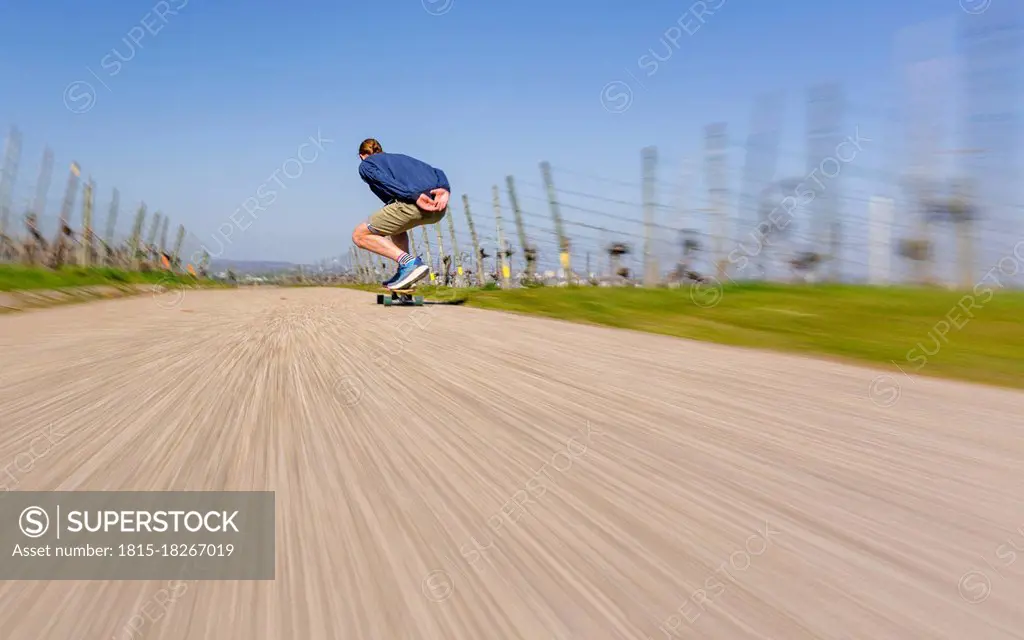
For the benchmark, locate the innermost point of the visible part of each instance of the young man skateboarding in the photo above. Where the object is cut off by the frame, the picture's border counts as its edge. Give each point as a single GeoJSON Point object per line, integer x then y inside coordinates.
{"type": "Point", "coordinates": [414, 194]}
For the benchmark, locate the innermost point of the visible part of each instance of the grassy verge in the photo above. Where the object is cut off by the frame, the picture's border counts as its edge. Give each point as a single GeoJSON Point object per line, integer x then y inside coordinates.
{"type": "Point", "coordinates": [864, 324]}
{"type": "Point", "coordinates": [21, 278]}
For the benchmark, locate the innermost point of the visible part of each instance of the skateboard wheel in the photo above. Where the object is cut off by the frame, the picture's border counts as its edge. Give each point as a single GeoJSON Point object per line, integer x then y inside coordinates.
{"type": "Point", "coordinates": [380, 298]}
{"type": "Point", "coordinates": [387, 301]}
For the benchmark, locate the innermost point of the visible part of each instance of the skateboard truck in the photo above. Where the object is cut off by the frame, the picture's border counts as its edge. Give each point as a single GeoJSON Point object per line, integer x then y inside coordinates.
{"type": "Point", "coordinates": [400, 297]}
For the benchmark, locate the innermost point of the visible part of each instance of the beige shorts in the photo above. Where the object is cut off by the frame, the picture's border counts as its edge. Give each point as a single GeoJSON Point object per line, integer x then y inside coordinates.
{"type": "Point", "coordinates": [397, 217]}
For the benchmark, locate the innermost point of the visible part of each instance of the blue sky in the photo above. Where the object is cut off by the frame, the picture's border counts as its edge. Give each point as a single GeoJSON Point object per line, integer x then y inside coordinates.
{"type": "Point", "coordinates": [202, 112]}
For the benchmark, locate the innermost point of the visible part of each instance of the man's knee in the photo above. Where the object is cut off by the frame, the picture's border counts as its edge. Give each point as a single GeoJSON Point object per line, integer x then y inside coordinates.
{"type": "Point", "coordinates": [360, 232]}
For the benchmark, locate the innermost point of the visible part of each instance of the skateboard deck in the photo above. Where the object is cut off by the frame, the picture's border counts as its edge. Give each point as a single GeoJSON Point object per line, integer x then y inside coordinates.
{"type": "Point", "coordinates": [406, 297]}
{"type": "Point", "coordinates": [400, 297]}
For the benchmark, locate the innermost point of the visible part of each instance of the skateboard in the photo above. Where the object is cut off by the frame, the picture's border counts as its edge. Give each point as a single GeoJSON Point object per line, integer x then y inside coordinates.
{"type": "Point", "coordinates": [405, 297]}
{"type": "Point", "coordinates": [400, 297]}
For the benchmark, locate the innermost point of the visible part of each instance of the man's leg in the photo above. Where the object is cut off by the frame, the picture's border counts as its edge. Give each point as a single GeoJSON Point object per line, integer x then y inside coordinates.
{"type": "Point", "coordinates": [386, 234]}
{"type": "Point", "coordinates": [365, 238]}
{"type": "Point", "coordinates": [401, 241]}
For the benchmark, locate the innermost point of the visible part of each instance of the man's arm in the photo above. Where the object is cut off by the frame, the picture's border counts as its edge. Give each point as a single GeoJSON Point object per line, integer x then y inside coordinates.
{"type": "Point", "coordinates": [438, 199]}
{"type": "Point", "coordinates": [442, 181]}
{"type": "Point", "coordinates": [371, 174]}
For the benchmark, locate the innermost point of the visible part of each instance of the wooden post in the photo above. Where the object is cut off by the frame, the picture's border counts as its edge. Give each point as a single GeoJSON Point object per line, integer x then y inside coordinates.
{"type": "Point", "coordinates": [35, 245]}
{"type": "Point", "coordinates": [481, 281]}
{"type": "Point", "coordinates": [176, 256]}
{"type": "Point", "coordinates": [86, 240]}
{"type": "Point", "coordinates": [8, 177]}
{"type": "Point", "coordinates": [455, 250]}
{"type": "Point", "coordinates": [443, 262]}
{"type": "Point", "coordinates": [880, 219]}
{"type": "Point", "coordinates": [684, 205]}
{"type": "Point", "coordinates": [412, 244]}
{"type": "Point", "coordinates": [70, 192]}
{"type": "Point", "coordinates": [136, 239]}
{"type": "Point", "coordinates": [926, 53]}
{"type": "Point", "coordinates": [430, 259]}
{"type": "Point", "coordinates": [108, 238]}
{"type": "Point", "coordinates": [154, 228]}
{"type": "Point", "coordinates": [717, 181]}
{"type": "Point", "coordinates": [991, 126]}
{"type": "Point", "coordinates": [151, 236]}
{"type": "Point", "coordinates": [650, 160]}
{"type": "Point", "coordinates": [563, 241]}
{"type": "Point", "coordinates": [43, 183]}
{"type": "Point", "coordinates": [64, 227]}
{"type": "Point", "coordinates": [366, 266]}
{"type": "Point", "coordinates": [357, 264]}
{"type": "Point", "coordinates": [371, 271]}
{"type": "Point", "coordinates": [528, 250]}
{"type": "Point", "coordinates": [759, 168]}
{"type": "Point", "coordinates": [824, 119]}
{"type": "Point", "coordinates": [163, 235]}
{"type": "Point", "coordinates": [502, 258]}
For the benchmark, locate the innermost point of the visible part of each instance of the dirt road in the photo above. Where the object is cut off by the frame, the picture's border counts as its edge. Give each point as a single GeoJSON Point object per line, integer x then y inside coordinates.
{"type": "Point", "coordinates": [535, 479]}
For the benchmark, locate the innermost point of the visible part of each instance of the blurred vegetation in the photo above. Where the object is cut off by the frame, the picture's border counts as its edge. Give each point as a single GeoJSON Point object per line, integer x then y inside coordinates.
{"type": "Point", "coordinates": [18, 278]}
{"type": "Point", "coordinates": [857, 323]}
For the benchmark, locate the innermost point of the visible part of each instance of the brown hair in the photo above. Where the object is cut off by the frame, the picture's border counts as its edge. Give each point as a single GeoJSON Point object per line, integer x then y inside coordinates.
{"type": "Point", "coordinates": [369, 147]}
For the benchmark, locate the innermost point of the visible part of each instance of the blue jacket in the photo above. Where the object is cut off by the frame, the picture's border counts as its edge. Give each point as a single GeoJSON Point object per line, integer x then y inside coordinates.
{"type": "Point", "coordinates": [393, 176]}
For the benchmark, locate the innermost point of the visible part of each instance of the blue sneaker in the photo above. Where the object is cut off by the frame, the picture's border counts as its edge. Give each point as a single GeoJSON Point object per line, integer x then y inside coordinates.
{"type": "Point", "coordinates": [409, 274]}
{"type": "Point", "coordinates": [391, 279]}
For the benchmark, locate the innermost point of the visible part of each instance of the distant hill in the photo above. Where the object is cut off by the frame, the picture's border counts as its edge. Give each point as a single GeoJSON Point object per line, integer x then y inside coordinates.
{"type": "Point", "coordinates": [250, 266]}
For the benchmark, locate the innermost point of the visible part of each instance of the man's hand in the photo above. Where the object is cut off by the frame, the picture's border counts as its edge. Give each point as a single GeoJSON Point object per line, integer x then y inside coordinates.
{"type": "Point", "coordinates": [437, 202]}
{"type": "Point", "coordinates": [425, 203]}
{"type": "Point", "coordinates": [440, 198]}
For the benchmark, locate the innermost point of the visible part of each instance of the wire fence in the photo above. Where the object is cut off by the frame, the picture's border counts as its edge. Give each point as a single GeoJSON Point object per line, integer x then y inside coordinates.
{"type": "Point", "coordinates": [31, 235]}
{"type": "Point", "coordinates": [923, 190]}
{"type": "Point", "coordinates": [916, 192]}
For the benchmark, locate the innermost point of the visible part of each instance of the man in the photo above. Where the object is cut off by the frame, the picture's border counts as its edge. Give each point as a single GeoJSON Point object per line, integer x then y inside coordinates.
{"type": "Point", "coordinates": [413, 193]}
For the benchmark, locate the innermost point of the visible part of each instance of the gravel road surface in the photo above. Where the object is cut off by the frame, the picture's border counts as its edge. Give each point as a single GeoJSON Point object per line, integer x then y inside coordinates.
{"type": "Point", "coordinates": [451, 473]}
